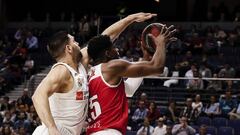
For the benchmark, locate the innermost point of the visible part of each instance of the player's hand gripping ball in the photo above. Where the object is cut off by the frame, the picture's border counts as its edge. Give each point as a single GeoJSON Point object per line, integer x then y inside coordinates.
{"type": "Point", "coordinates": [147, 41]}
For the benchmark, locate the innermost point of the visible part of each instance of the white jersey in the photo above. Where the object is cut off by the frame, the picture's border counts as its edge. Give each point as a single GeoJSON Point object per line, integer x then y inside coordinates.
{"type": "Point", "coordinates": [69, 109]}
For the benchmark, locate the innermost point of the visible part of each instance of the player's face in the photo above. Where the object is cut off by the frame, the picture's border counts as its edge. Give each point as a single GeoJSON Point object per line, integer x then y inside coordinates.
{"type": "Point", "coordinates": [113, 53]}
{"type": "Point", "coordinates": [77, 55]}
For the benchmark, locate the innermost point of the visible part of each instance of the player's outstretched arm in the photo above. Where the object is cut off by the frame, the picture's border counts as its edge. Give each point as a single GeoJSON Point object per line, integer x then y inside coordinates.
{"type": "Point", "coordinates": [156, 65]}
{"type": "Point", "coordinates": [50, 84]}
{"type": "Point", "coordinates": [117, 28]}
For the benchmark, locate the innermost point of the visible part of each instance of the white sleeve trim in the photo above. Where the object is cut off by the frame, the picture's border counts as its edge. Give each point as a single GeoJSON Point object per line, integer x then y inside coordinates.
{"type": "Point", "coordinates": [131, 85]}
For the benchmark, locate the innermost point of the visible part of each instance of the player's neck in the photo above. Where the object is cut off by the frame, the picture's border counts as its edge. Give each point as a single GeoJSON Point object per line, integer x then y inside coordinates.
{"type": "Point", "coordinates": [69, 62]}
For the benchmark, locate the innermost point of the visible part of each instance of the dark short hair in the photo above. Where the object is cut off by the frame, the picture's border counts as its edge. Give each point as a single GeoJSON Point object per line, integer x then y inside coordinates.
{"type": "Point", "coordinates": [98, 45]}
{"type": "Point", "coordinates": [57, 43]}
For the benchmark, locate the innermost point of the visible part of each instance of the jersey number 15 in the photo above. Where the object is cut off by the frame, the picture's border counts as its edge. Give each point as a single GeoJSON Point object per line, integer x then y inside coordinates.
{"type": "Point", "coordinates": [94, 107]}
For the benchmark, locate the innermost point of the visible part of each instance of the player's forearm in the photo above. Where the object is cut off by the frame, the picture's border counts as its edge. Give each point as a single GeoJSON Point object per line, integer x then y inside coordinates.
{"type": "Point", "coordinates": [41, 105]}
{"type": "Point", "coordinates": [159, 57]}
{"type": "Point", "coordinates": [115, 29]}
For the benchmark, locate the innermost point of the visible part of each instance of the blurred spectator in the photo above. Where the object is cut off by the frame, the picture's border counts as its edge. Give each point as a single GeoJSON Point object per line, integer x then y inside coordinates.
{"type": "Point", "coordinates": [84, 29]}
{"type": "Point", "coordinates": [131, 110]}
{"type": "Point", "coordinates": [146, 129]}
{"type": "Point", "coordinates": [94, 22]}
{"type": "Point", "coordinates": [189, 73]}
{"type": "Point", "coordinates": [7, 119]}
{"type": "Point", "coordinates": [144, 98]}
{"type": "Point", "coordinates": [168, 130]}
{"type": "Point", "coordinates": [205, 73]}
{"type": "Point", "coordinates": [219, 33]}
{"type": "Point", "coordinates": [217, 62]}
{"type": "Point", "coordinates": [195, 84]}
{"type": "Point", "coordinates": [175, 47]}
{"type": "Point", "coordinates": [210, 45]}
{"type": "Point", "coordinates": [227, 105]}
{"type": "Point", "coordinates": [13, 112]}
{"type": "Point", "coordinates": [153, 113]}
{"type": "Point", "coordinates": [22, 131]}
{"type": "Point", "coordinates": [236, 113]}
{"type": "Point", "coordinates": [33, 118]}
{"type": "Point", "coordinates": [188, 111]}
{"type": "Point", "coordinates": [187, 60]}
{"type": "Point", "coordinates": [197, 106]}
{"type": "Point", "coordinates": [197, 44]}
{"type": "Point", "coordinates": [172, 113]}
{"type": "Point", "coordinates": [215, 84]}
{"type": "Point", "coordinates": [7, 130]}
{"type": "Point", "coordinates": [227, 72]}
{"type": "Point", "coordinates": [22, 121]}
{"type": "Point", "coordinates": [5, 103]}
{"type": "Point", "coordinates": [160, 129]}
{"type": "Point", "coordinates": [128, 56]}
{"type": "Point", "coordinates": [139, 114]}
{"type": "Point", "coordinates": [175, 73]}
{"type": "Point", "coordinates": [19, 35]}
{"type": "Point", "coordinates": [28, 67]}
{"type": "Point", "coordinates": [203, 130]}
{"type": "Point", "coordinates": [26, 100]}
{"type": "Point", "coordinates": [31, 42]}
{"type": "Point", "coordinates": [212, 108]}
{"type": "Point", "coordinates": [183, 128]}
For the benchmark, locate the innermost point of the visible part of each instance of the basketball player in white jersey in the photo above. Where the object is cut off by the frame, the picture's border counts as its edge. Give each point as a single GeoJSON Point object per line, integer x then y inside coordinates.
{"type": "Point", "coordinates": [64, 89]}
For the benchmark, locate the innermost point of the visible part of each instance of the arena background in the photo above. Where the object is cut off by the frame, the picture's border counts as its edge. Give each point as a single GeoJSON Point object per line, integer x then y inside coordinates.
{"type": "Point", "coordinates": [208, 48]}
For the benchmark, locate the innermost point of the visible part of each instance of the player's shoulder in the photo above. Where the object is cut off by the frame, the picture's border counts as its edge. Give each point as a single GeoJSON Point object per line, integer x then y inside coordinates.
{"type": "Point", "coordinates": [59, 72]}
{"type": "Point", "coordinates": [116, 63]}
{"type": "Point", "coordinates": [60, 68]}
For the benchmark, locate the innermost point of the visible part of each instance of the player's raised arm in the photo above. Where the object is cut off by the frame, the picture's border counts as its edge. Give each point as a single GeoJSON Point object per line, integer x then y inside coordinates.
{"type": "Point", "coordinates": [145, 68]}
{"type": "Point", "coordinates": [117, 28]}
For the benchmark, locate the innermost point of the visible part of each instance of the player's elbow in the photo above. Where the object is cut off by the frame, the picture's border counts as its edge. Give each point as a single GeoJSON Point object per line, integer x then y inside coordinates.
{"type": "Point", "coordinates": [159, 69]}
{"type": "Point", "coordinates": [34, 98]}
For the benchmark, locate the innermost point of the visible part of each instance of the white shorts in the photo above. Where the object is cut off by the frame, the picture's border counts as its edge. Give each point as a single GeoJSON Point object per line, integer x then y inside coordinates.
{"type": "Point", "coordinates": [107, 132]}
{"type": "Point", "coordinates": [43, 130]}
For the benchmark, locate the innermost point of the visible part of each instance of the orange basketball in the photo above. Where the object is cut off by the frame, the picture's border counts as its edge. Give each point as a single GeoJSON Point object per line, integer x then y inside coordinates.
{"type": "Point", "coordinates": [147, 41]}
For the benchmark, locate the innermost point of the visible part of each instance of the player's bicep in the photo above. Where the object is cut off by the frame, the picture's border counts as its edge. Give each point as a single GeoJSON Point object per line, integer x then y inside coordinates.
{"type": "Point", "coordinates": [136, 69]}
{"type": "Point", "coordinates": [52, 82]}
{"type": "Point", "coordinates": [48, 86]}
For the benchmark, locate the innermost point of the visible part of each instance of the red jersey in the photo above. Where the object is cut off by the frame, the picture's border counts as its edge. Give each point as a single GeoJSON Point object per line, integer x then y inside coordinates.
{"type": "Point", "coordinates": [108, 106]}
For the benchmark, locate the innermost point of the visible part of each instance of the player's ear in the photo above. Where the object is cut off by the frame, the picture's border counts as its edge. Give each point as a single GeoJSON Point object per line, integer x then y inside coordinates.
{"type": "Point", "coordinates": [107, 53]}
{"type": "Point", "coordinates": [68, 48]}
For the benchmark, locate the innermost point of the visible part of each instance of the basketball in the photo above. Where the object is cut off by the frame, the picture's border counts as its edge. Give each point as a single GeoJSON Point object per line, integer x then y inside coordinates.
{"type": "Point", "coordinates": [147, 41]}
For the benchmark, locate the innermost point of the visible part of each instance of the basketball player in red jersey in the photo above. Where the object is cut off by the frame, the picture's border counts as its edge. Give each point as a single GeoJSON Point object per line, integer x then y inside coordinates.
{"type": "Point", "coordinates": [108, 108]}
